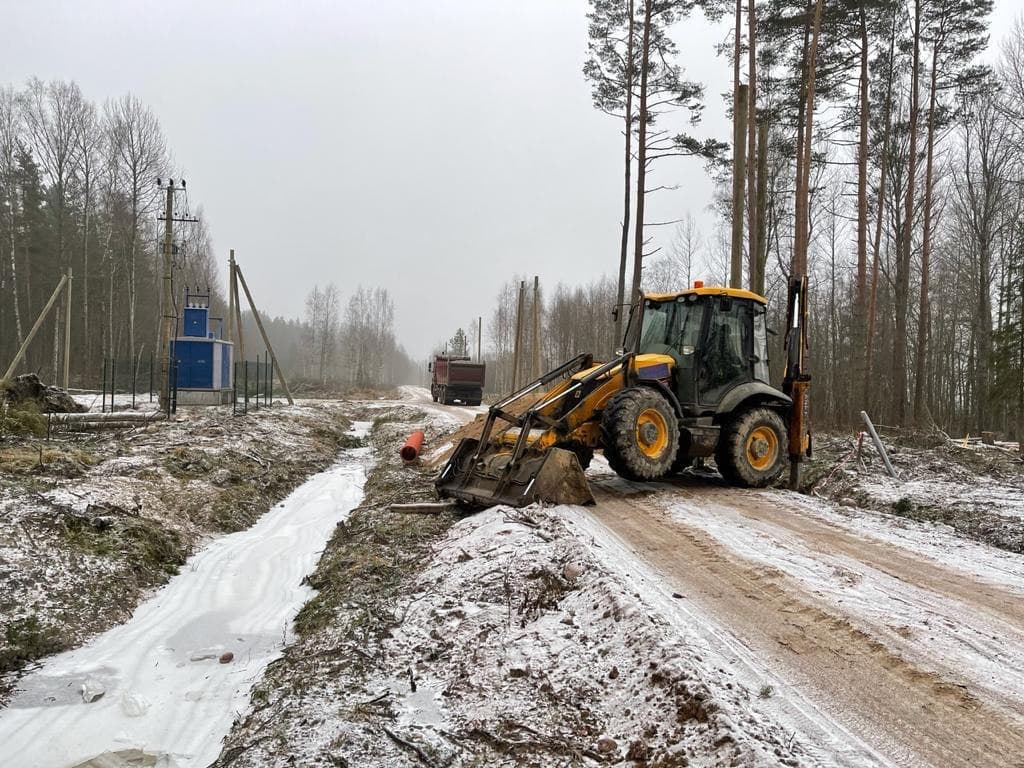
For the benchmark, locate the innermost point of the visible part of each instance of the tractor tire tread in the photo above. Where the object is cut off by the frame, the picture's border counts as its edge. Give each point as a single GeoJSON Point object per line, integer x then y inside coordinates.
{"type": "Point", "coordinates": [730, 455]}
{"type": "Point", "coordinates": [618, 435]}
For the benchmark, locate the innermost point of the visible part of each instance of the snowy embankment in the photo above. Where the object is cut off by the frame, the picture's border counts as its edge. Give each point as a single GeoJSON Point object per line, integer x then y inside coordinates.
{"type": "Point", "coordinates": [170, 681]}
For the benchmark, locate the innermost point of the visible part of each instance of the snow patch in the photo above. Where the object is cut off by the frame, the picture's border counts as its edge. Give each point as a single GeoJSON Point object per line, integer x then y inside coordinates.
{"type": "Point", "coordinates": [165, 693]}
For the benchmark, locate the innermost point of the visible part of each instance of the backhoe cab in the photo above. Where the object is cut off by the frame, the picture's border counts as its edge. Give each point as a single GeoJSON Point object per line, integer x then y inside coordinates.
{"type": "Point", "coordinates": [691, 382]}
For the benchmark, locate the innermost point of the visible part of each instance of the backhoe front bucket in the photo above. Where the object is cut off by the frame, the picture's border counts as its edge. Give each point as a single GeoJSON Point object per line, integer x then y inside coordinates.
{"type": "Point", "coordinates": [553, 475]}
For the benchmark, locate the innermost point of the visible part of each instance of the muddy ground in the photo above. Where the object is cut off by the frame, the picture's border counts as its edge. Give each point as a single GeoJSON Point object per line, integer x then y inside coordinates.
{"type": "Point", "coordinates": [489, 639]}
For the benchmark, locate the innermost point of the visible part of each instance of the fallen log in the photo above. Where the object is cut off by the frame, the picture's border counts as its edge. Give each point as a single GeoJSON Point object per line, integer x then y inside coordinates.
{"type": "Point", "coordinates": [422, 507]}
{"type": "Point", "coordinates": [117, 417]}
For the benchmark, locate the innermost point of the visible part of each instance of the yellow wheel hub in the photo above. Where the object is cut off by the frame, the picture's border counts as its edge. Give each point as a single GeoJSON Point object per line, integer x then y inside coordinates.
{"type": "Point", "coordinates": [762, 448]}
{"type": "Point", "coordinates": [651, 433]}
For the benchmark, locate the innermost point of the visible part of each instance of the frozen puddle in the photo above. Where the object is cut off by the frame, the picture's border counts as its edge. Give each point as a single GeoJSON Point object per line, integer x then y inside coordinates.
{"type": "Point", "coordinates": [160, 695]}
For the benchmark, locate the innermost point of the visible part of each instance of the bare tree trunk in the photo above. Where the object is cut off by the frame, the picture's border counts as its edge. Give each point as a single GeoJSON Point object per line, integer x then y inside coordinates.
{"type": "Point", "coordinates": [906, 240]}
{"type": "Point", "coordinates": [923, 308]}
{"type": "Point", "coordinates": [624, 246]}
{"type": "Point", "coordinates": [739, 139]}
{"type": "Point", "coordinates": [757, 282]}
{"type": "Point", "coordinates": [738, 182]}
{"type": "Point", "coordinates": [860, 293]}
{"type": "Point", "coordinates": [805, 141]}
{"type": "Point", "coordinates": [14, 282]}
{"type": "Point", "coordinates": [753, 215]}
{"type": "Point", "coordinates": [641, 154]}
{"type": "Point", "coordinates": [877, 246]}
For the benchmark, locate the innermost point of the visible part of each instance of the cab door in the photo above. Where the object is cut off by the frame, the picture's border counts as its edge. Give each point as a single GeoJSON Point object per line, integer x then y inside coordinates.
{"type": "Point", "coordinates": [727, 355]}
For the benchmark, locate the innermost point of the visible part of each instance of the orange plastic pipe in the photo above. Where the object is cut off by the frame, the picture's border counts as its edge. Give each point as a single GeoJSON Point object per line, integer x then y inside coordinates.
{"type": "Point", "coordinates": [411, 450]}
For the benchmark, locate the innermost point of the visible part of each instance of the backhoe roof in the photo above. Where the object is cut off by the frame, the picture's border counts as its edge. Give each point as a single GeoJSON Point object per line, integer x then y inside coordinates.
{"type": "Point", "coordinates": [708, 290]}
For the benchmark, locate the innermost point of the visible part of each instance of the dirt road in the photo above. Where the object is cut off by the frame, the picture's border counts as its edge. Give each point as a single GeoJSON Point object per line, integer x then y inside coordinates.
{"type": "Point", "coordinates": [918, 660]}
{"type": "Point", "coordinates": [877, 643]}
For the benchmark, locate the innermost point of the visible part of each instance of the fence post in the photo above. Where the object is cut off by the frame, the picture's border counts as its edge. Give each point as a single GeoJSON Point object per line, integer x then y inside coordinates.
{"type": "Point", "coordinates": [270, 382]}
{"type": "Point", "coordinates": [245, 379]}
{"type": "Point", "coordinates": [173, 399]}
{"type": "Point", "coordinates": [257, 381]}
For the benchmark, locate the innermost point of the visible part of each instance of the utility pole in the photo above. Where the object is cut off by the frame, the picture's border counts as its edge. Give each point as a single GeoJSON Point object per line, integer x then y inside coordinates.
{"type": "Point", "coordinates": [67, 329]}
{"type": "Point", "coordinates": [536, 328]}
{"type": "Point", "coordinates": [479, 336]}
{"type": "Point", "coordinates": [519, 336]}
{"type": "Point", "coordinates": [170, 318]}
{"type": "Point", "coordinates": [231, 297]}
{"type": "Point", "coordinates": [238, 310]}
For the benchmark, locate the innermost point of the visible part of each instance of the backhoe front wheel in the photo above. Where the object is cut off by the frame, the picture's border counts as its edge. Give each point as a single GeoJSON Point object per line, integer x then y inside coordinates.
{"type": "Point", "coordinates": [640, 434]}
{"type": "Point", "coordinates": [752, 448]}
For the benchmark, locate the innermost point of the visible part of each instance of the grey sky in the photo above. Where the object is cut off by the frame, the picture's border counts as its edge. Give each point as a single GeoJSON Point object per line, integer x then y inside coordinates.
{"type": "Point", "coordinates": [434, 148]}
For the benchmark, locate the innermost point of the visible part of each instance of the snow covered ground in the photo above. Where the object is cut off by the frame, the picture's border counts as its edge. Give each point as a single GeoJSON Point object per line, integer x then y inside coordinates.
{"type": "Point", "coordinates": [678, 623]}
{"type": "Point", "coordinates": [159, 683]}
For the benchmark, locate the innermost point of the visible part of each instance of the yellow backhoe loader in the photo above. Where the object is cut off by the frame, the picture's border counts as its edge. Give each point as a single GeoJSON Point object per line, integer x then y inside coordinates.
{"type": "Point", "coordinates": [692, 382]}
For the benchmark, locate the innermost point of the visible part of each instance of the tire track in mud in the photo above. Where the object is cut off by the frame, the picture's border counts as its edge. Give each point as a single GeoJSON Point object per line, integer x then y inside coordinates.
{"type": "Point", "coordinates": [908, 714]}
{"type": "Point", "coordinates": [991, 599]}
{"type": "Point", "coordinates": [944, 618]}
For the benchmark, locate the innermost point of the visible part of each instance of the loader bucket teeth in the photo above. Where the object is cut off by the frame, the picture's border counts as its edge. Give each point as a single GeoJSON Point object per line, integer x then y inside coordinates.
{"type": "Point", "coordinates": [553, 476]}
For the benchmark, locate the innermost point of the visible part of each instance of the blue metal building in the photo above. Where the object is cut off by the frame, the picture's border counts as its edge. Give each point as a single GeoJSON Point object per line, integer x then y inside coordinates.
{"type": "Point", "coordinates": [204, 359]}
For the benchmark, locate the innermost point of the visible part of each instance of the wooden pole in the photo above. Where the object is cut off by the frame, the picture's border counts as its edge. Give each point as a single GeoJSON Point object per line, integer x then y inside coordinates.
{"type": "Point", "coordinates": [169, 319]}
{"type": "Point", "coordinates": [35, 328]}
{"type": "Point", "coordinates": [230, 335]}
{"type": "Point", "coordinates": [263, 333]}
{"type": "Point", "coordinates": [479, 336]}
{"type": "Point", "coordinates": [739, 164]}
{"type": "Point", "coordinates": [536, 328]}
{"type": "Point", "coordinates": [519, 336]}
{"type": "Point", "coordinates": [238, 311]}
{"type": "Point", "coordinates": [67, 329]}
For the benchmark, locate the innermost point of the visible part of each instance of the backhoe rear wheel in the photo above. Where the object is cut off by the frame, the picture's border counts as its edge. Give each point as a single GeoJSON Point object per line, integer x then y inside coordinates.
{"type": "Point", "coordinates": [640, 434]}
{"type": "Point", "coordinates": [751, 451]}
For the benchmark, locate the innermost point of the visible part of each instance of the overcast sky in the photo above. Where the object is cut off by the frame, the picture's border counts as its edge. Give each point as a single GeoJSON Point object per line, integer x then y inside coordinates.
{"type": "Point", "coordinates": [434, 148]}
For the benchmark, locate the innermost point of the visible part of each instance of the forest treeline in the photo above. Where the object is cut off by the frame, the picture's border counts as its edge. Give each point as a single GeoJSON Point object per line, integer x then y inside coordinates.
{"type": "Point", "coordinates": [78, 192]}
{"type": "Point", "coordinates": [346, 347]}
{"type": "Point", "coordinates": [915, 236]}
{"type": "Point", "coordinates": [916, 187]}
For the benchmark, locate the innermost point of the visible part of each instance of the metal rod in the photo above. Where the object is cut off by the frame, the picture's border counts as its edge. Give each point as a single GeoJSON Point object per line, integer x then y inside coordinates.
{"type": "Point", "coordinates": [878, 444]}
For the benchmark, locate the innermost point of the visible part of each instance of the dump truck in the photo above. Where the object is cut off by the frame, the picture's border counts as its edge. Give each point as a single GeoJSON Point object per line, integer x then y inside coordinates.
{"type": "Point", "coordinates": [455, 379]}
{"type": "Point", "coordinates": [691, 382]}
